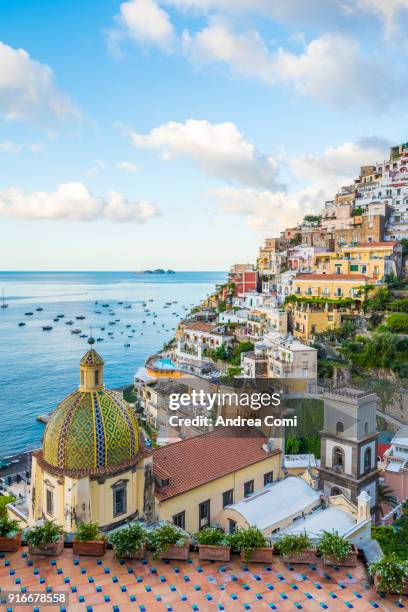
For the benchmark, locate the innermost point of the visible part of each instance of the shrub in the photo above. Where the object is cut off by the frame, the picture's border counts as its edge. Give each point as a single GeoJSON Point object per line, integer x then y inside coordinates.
{"type": "Point", "coordinates": [398, 323]}
{"type": "Point", "coordinates": [44, 533]}
{"type": "Point", "coordinates": [4, 500]}
{"type": "Point", "coordinates": [164, 536]}
{"type": "Point", "coordinates": [247, 540]}
{"type": "Point", "coordinates": [293, 544]}
{"type": "Point", "coordinates": [8, 527]}
{"type": "Point", "coordinates": [334, 545]}
{"type": "Point", "coordinates": [391, 573]}
{"type": "Point", "coordinates": [88, 532]}
{"type": "Point", "coordinates": [128, 540]}
{"type": "Point", "coordinates": [212, 536]}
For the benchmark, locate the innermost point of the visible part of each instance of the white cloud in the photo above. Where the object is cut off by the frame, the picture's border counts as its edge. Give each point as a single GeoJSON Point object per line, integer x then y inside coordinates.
{"type": "Point", "coordinates": [97, 167]}
{"type": "Point", "coordinates": [332, 69]}
{"type": "Point", "coordinates": [264, 211]}
{"type": "Point", "coordinates": [27, 89]}
{"type": "Point", "coordinates": [267, 211]}
{"type": "Point", "coordinates": [387, 10]}
{"type": "Point", "coordinates": [144, 22]}
{"type": "Point", "coordinates": [219, 150]}
{"type": "Point", "coordinates": [14, 148]}
{"type": "Point", "coordinates": [339, 165]}
{"type": "Point", "coordinates": [73, 202]}
{"type": "Point", "coordinates": [128, 166]}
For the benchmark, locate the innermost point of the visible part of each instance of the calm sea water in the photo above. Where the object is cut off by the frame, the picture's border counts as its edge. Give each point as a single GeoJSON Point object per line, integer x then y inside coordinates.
{"type": "Point", "coordinates": [39, 368]}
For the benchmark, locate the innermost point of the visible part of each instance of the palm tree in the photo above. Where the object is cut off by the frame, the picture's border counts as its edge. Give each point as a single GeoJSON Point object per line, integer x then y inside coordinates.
{"type": "Point", "coordinates": [385, 497]}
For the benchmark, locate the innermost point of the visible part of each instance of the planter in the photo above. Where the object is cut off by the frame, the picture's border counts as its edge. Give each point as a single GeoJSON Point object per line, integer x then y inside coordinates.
{"type": "Point", "coordinates": [349, 561]}
{"type": "Point", "coordinates": [137, 554]}
{"type": "Point", "coordinates": [404, 588]}
{"type": "Point", "coordinates": [303, 556]}
{"type": "Point", "coordinates": [10, 544]}
{"type": "Point", "coordinates": [94, 548]}
{"type": "Point", "coordinates": [258, 555]}
{"type": "Point", "coordinates": [53, 549]}
{"type": "Point", "coordinates": [178, 553]}
{"type": "Point", "coordinates": [212, 552]}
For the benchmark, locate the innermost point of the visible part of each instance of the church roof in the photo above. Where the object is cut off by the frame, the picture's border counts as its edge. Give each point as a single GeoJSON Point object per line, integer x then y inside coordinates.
{"type": "Point", "coordinates": [91, 357]}
{"type": "Point", "coordinates": [91, 431]}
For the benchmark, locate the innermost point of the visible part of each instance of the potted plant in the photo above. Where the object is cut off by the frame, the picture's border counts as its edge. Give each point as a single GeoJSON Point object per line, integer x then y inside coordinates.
{"type": "Point", "coordinates": [252, 545]}
{"type": "Point", "coordinates": [45, 538]}
{"type": "Point", "coordinates": [296, 548]}
{"type": "Point", "coordinates": [213, 545]}
{"type": "Point", "coordinates": [88, 540]}
{"type": "Point", "coordinates": [129, 541]}
{"type": "Point", "coordinates": [336, 550]}
{"type": "Point", "coordinates": [169, 542]}
{"type": "Point", "coordinates": [390, 574]}
{"type": "Point", "coordinates": [10, 535]}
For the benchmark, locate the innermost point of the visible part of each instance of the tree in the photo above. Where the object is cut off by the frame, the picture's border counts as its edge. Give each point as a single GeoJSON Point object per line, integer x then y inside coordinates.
{"type": "Point", "coordinates": [386, 497]}
{"type": "Point", "coordinates": [296, 240]}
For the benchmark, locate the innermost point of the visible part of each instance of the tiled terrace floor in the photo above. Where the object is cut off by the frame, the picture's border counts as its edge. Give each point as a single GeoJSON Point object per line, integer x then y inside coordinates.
{"type": "Point", "coordinates": [107, 584]}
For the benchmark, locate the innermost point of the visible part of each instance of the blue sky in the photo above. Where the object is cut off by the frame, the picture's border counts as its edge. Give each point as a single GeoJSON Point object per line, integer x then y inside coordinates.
{"type": "Point", "coordinates": [180, 133]}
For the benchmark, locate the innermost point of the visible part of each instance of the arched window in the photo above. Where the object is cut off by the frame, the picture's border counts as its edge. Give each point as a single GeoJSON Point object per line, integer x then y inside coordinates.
{"type": "Point", "coordinates": [335, 491]}
{"type": "Point", "coordinates": [339, 427]}
{"type": "Point", "coordinates": [366, 428]}
{"type": "Point", "coordinates": [338, 458]}
{"type": "Point", "coordinates": [367, 459]}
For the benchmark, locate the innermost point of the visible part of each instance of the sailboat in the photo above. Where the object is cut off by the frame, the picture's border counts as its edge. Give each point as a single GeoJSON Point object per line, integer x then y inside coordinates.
{"type": "Point", "coordinates": [3, 303]}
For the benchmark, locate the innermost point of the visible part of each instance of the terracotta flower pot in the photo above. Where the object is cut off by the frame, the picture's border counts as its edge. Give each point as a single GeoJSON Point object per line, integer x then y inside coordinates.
{"type": "Point", "coordinates": [179, 553]}
{"type": "Point", "coordinates": [10, 544]}
{"type": "Point", "coordinates": [94, 548]}
{"type": "Point", "coordinates": [302, 556]}
{"type": "Point", "coordinates": [53, 549]}
{"type": "Point", "coordinates": [349, 561]}
{"type": "Point", "coordinates": [137, 554]}
{"type": "Point", "coordinates": [258, 555]}
{"type": "Point", "coordinates": [404, 586]}
{"type": "Point", "coordinates": [212, 552]}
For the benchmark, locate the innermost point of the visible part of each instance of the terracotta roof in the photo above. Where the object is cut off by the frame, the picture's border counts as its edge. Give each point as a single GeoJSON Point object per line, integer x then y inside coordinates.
{"type": "Point", "coordinates": [199, 326]}
{"type": "Point", "coordinates": [338, 277]}
{"type": "Point", "coordinates": [196, 461]}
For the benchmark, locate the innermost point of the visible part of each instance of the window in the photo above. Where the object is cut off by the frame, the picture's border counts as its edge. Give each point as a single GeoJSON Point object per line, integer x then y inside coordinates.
{"type": "Point", "coordinates": [82, 379]}
{"type": "Point", "coordinates": [353, 268]}
{"type": "Point", "coordinates": [338, 459]}
{"type": "Point", "coordinates": [96, 378]}
{"type": "Point", "coordinates": [204, 514]}
{"type": "Point", "coordinates": [119, 499]}
{"type": "Point", "coordinates": [366, 428]}
{"type": "Point", "coordinates": [232, 526]}
{"type": "Point", "coordinates": [50, 502]}
{"type": "Point", "coordinates": [227, 498]}
{"type": "Point", "coordinates": [367, 459]}
{"type": "Point", "coordinates": [339, 427]}
{"type": "Point", "coordinates": [248, 488]}
{"type": "Point", "coordinates": [268, 478]}
{"type": "Point", "coordinates": [180, 520]}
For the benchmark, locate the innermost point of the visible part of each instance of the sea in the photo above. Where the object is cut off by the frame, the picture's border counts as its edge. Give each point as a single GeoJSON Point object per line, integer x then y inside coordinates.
{"type": "Point", "coordinates": [39, 368]}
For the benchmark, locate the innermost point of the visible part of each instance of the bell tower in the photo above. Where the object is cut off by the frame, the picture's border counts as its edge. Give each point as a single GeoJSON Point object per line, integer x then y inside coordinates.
{"type": "Point", "coordinates": [348, 461]}
{"type": "Point", "coordinates": [91, 370]}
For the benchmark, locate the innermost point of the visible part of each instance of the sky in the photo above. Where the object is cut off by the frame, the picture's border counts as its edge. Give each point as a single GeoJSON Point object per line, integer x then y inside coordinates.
{"type": "Point", "coordinates": [181, 133]}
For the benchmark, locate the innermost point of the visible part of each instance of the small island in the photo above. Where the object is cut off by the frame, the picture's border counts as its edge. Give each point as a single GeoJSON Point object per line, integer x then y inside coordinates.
{"type": "Point", "coordinates": [157, 271]}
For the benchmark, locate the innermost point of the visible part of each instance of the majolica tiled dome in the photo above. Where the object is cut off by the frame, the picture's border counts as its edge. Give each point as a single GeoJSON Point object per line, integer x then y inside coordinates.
{"type": "Point", "coordinates": [93, 430]}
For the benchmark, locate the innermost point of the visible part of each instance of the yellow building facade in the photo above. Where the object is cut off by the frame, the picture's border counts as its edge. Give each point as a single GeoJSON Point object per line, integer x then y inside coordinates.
{"type": "Point", "coordinates": [374, 260]}
{"type": "Point", "coordinates": [309, 320]}
{"type": "Point", "coordinates": [332, 286]}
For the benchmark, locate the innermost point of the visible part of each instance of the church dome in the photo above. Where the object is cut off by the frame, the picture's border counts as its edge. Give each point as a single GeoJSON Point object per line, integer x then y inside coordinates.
{"type": "Point", "coordinates": [93, 430]}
